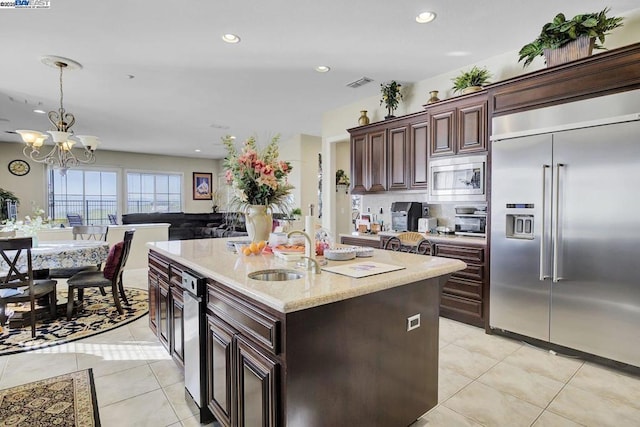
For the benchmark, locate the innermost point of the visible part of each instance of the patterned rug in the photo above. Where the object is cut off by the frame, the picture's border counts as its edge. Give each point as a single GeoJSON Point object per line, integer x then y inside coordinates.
{"type": "Point", "coordinates": [98, 315]}
{"type": "Point", "coordinates": [65, 400]}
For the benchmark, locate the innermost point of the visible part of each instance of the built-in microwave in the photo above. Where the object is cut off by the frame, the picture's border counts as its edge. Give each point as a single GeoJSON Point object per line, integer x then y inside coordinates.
{"type": "Point", "coordinates": [459, 178]}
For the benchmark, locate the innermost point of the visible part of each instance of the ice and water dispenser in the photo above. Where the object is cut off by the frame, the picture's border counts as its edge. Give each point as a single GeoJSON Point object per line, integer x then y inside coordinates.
{"type": "Point", "coordinates": [520, 225]}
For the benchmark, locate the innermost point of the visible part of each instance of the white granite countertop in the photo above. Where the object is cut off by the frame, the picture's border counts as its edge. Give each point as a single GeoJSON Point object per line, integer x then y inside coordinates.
{"type": "Point", "coordinates": [211, 258]}
{"type": "Point", "coordinates": [438, 238]}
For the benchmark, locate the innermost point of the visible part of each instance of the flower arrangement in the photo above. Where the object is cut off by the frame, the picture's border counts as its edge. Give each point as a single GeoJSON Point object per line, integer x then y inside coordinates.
{"type": "Point", "coordinates": [391, 97]}
{"type": "Point", "coordinates": [258, 174]}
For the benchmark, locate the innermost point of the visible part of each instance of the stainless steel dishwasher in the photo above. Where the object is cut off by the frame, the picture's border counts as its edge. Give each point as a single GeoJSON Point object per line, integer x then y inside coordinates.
{"type": "Point", "coordinates": [194, 289]}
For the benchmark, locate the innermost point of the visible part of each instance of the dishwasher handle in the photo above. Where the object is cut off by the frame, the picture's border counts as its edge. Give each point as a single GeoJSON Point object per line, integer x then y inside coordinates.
{"type": "Point", "coordinates": [193, 285]}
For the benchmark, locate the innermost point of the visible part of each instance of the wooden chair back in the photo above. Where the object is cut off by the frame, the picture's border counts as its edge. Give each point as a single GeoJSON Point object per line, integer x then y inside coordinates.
{"type": "Point", "coordinates": [14, 253]}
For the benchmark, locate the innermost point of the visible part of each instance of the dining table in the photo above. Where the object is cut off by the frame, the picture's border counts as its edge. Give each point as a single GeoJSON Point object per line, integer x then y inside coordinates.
{"type": "Point", "coordinates": [65, 254]}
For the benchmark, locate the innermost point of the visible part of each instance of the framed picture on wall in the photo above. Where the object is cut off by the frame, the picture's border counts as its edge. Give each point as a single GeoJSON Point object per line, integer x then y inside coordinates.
{"type": "Point", "coordinates": [202, 186]}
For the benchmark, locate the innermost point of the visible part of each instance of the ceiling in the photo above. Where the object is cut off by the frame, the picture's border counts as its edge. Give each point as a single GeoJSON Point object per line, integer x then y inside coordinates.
{"type": "Point", "coordinates": [157, 77]}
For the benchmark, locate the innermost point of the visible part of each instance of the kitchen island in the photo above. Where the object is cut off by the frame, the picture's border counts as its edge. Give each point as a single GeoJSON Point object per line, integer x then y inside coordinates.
{"type": "Point", "coordinates": [324, 349]}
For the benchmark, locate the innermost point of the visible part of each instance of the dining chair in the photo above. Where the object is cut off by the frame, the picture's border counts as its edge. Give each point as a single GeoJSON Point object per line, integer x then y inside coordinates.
{"type": "Point", "coordinates": [17, 284]}
{"type": "Point", "coordinates": [74, 219]}
{"type": "Point", "coordinates": [409, 241]}
{"type": "Point", "coordinates": [111, 276]}
{"type": "Point", "coordinates": [113, 219]}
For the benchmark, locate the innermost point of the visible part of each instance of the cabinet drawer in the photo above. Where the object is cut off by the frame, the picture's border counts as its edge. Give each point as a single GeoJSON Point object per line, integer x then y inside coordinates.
{"type": "Point", "coordinates": [175, 276]}
{"type": "Point", "coordinates": [466, 288]}
{"type": "Point", "coordinates": [472, 272]}
{"type": "Point", "coordinates": [462, 309]}
{"type": "Point", "coordinates": [464, 253]}
{"type": "Point", "coordinates": [261, 327]}
{"type": "Point", "coordinates": [159, 265]}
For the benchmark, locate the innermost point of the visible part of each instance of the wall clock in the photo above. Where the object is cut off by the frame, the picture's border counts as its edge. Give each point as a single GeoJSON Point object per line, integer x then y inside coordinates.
{"type": "Point", "coordinates": [19, 167]}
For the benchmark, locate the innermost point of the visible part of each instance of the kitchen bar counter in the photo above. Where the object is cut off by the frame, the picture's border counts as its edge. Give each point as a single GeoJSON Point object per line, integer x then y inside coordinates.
{"type": "Point", "coordinates": [211, 258]}
{"type": "Point", "coordinates": [323, 350]}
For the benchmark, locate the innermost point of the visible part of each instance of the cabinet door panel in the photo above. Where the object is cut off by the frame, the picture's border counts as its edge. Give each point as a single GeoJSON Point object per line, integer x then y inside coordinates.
{"type": "Point", "coordinates": [153, 301]}
{"type": "Point", "coordinates": [442, 133]}
{"type": "Point", "coordinates": [418, 155]}
{"type": "Point", "coordinates": [177, 325]}
{"type": "Point", "coordinates": [220, 375]}
{"type": "Point", "coordinates": [398, 156]}
{"type": "Point", "coordinates": [377, 161]}
{"type": "Point", "coordinates": [473, 128]}
{"type": "Point", "coordinates": [163, 313]}
{"type": "Point", "coordinates": [358, 152]}
{"type": "Point", "coordinates": [257, 387]}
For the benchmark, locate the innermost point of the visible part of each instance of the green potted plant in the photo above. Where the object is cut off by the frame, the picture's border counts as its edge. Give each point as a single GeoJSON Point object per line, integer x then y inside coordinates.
{"type": "Point", "coordinates": [391, 97]}
{"type": "Point", "coordinates": [342, 180]}
{"type": "Point", "coordinates": [582, 30]}
{"type": "Point", "coordinates": [472, 80]}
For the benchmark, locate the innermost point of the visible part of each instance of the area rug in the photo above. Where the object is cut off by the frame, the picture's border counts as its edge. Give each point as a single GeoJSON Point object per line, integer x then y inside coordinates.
{"type": "Point", "coordinates": [65, 400]}
{"type": "Point", "coordinates": [98, 315]}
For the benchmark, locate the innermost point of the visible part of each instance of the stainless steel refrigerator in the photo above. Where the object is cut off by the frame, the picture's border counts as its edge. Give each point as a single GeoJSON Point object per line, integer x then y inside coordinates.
{"type": "Point", "coordinates": [565, 225]}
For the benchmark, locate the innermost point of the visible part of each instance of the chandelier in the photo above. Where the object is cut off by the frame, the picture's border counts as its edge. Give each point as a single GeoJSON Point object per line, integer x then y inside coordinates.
{"type": "Point", "coordinates": [61, 155]}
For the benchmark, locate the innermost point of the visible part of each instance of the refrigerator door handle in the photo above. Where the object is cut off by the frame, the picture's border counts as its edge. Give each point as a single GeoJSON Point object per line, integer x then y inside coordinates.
{"type": "Point", "coordinates": [543, 276]}
{"type": "Point", "coordinates": [556, 232]}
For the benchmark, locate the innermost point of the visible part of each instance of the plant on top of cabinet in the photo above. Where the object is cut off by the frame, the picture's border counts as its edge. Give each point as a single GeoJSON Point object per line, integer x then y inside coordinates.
{"type": "Point", "coordinates": [472, 80]}
{"type": "Point", "coordinates": [560, 32]}
{"type": "Point", "coordinates": [391, 97]}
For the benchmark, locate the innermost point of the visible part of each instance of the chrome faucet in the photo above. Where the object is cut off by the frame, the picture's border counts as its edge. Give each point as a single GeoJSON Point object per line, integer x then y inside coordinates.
{"type": "Point", "coordinates": [311, 263]}
{"type": "Point", "coordinates": [309, 251]}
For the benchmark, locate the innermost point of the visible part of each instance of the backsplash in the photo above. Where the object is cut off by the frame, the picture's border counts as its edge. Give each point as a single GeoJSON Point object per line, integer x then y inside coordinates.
{"type": "Point", "coordinates": [444, 212]}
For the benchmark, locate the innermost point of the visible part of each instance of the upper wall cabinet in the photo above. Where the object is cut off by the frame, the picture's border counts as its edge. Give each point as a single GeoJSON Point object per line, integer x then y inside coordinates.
{"type": "Point", "coordinates": [459, 126]}
{"type": "Point", "coordinates": [369, 161]}
{"type": "Point", "coordinates": [390, 155]}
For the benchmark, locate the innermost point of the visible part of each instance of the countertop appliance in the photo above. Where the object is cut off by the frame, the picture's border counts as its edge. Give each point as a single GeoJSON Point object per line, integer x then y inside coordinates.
{"type": "Point", "coordinates": [193, 292]}
{"type": "Point", "coordinates": [425, 225]}
{"type": "Point", "coordinates": [404, 216]}
{"type": "Point", "coordinates": [564, 225]}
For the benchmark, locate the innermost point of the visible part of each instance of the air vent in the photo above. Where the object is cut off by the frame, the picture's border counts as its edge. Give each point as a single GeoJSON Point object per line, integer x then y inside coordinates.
{"type": "Point", "coordinates": [360, 82]}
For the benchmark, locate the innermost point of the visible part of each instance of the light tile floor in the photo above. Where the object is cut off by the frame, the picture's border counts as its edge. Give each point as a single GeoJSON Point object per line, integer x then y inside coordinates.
{"type": "Point", "coordinates": [484, 380]}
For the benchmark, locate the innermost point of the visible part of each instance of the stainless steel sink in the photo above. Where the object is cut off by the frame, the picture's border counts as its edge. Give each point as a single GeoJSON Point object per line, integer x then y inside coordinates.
{"type": "Point", "coordinates": [275, 275]}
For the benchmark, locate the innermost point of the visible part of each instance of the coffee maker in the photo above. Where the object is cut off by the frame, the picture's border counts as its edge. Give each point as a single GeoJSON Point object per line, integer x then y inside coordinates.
{"type": "Point", "coordinates": [404, 216]}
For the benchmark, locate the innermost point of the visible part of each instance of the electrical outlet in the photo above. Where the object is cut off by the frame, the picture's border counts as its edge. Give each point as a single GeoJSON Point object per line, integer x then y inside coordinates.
{"type": "Point", "coordinates": [413, 322]}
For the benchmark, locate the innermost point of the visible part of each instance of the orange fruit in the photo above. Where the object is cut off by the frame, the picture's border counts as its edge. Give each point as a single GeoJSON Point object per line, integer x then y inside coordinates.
{"type": "Point", "coordinates": [246, 250]}
{"type": "Point", "coordinates": [253, 247]}
{"type": "Point", "coordinates": [262, 244]}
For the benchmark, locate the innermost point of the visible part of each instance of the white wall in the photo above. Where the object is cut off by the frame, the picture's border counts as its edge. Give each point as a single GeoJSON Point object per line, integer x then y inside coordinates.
{"type": "Point", "coordinates": [336, 122]}
{"type": "Point", "coordinates": [32, 187]}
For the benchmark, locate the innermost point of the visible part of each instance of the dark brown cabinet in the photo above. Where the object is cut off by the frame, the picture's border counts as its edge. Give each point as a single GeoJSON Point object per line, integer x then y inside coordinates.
{"type": "Point", "coordinates": [459, 126]}
{"type": "Point", "coordinates": [243, 370]}
{"type": "Point", "coordinates": [418, 153]}
{"type": "Point", "coordinates": [390, 155]}
{"type": "Point", "coordinates": [166, 305]}
{"type": "Point", "coordinates": [464, 295]}
{"type": "Point", "coordinates": [397, 158]}
{"type": "Point", "coordinates": [177, 325]}
{"type": "Point", "coordinates": [369, 161]}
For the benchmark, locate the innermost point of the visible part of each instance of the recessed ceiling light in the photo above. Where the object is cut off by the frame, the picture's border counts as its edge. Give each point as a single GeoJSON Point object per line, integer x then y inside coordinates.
{"type": "Point", "coordinates": [40, 111]}
{"type": "Point", "coordinates": [322, 69]}
{"type": "Point", "coordinates": [425, 17]}
{"type": "Point", "coordinates": [231, 38]}
{"type": "Point", "coordinates": [197, 150]}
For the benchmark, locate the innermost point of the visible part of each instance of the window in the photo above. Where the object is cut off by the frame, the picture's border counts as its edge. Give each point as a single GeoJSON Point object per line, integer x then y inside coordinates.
{"type": "Point", "coordinates": [90, 193]}
{"type": "Point", "coordinates": [154, 192]}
